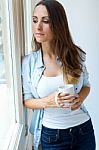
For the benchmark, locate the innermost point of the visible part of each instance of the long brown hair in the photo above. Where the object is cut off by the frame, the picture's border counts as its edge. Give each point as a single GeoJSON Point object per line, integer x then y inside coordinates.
{"type": "Point", "coordinates": [70, 55]}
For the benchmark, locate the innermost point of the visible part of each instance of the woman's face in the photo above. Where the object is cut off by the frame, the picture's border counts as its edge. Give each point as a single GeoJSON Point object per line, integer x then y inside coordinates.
{"type": "Point", "coordinates": [41, 25]}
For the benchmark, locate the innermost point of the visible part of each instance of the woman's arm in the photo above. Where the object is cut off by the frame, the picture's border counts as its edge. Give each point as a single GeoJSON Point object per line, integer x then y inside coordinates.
{"type": "Point", "coordinates": [81, 97]}
{"type": "Point", "coordinates": [46, 102]}
{"type": "Point", "coordinates": [49, 101]}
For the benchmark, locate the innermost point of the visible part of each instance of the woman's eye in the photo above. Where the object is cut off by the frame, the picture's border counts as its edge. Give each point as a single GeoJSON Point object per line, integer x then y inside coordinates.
{"type": "Point", "coordinates": [35, 21]}
{"type": "Point", "coordinates": [46, 21]}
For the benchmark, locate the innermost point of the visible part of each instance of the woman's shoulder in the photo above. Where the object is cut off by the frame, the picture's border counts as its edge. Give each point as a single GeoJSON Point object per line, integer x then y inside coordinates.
{"type": "Point", "coordinates": [31, 56]}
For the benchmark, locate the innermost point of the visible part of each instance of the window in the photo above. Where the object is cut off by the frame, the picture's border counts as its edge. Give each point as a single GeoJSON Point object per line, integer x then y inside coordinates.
{"type": "Point", "coordinates": [7, 108]}
{"type": "Point", "coordinates": [12, 120]}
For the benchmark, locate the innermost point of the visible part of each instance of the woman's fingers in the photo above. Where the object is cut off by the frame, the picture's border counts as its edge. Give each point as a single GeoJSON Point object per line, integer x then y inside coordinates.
{"type": "Point", "coordinates": [76, 105]}
{"type": "Point", "coordinates": [69, 101]}
{"type": "Point", "coordinates": [67, 97]}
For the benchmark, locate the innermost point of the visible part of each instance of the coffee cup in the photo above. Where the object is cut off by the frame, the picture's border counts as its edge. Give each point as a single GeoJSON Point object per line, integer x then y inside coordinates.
{"type": "Point", "coordinates": [68, 89]}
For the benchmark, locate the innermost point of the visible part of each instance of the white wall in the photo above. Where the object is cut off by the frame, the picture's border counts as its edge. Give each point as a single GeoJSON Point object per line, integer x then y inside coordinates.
{"type": "Point", "coordinates": [83, 19]}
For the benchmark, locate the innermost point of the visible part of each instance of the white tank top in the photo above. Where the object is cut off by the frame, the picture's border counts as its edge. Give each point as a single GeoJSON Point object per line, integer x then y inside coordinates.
{"type": "Point", "coordinates": [58, 118]}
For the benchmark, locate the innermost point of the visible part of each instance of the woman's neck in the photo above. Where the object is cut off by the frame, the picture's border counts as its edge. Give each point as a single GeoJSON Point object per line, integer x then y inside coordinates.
{"type": "Point", "coordinates": [47, 51]}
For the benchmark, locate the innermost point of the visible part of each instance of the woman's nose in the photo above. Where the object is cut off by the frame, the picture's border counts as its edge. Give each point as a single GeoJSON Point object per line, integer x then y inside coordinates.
{"type": "Point", "coordinates": [39, 25]}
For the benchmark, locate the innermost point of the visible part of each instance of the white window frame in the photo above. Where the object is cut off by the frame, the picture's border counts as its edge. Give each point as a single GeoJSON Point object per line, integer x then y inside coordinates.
{"type": "Point", "coordinates": [19, 139]}
{"type": "Point", "coordinates": [14, 20]}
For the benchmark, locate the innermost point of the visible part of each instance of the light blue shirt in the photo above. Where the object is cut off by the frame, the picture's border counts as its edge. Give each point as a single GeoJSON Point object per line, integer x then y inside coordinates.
{"type": "Point", "coordinates": [32, 69]}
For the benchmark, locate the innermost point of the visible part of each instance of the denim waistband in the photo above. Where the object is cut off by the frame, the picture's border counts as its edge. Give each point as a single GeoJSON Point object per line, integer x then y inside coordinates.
{"type": "Point", "coordinates": [69, 130]}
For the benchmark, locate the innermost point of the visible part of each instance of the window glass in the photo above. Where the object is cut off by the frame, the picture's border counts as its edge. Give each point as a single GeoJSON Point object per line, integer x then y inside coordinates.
{"type": "Point", "coordinates": [7, 109]}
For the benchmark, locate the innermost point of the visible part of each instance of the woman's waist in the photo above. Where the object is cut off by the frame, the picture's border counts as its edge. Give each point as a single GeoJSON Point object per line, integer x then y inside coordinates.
{"type": "Point", "coordinates": [61, 119]}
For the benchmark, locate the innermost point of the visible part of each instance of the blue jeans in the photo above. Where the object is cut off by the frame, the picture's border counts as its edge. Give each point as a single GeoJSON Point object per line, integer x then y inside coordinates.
{"type": "Point", "coordinates": [80, 137]}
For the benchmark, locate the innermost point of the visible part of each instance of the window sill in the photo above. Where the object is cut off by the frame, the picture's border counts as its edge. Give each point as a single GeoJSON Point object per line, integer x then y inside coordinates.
{"type": "Point", "coordinates": [16, 138]}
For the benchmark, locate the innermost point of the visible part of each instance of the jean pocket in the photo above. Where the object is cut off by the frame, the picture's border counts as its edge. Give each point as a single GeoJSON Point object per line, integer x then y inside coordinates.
{"type": "Point", "coordinates": [86, 129]}
{"type": "Point", "coordinates": [49, 137]}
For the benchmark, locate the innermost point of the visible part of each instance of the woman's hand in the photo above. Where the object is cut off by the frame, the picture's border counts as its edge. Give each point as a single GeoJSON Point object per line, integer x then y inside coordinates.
{"type": "Point", "coordinates": [64, 101]}
{"type": "Point", "coordinates": [68, 100]}
{"type": "Point", "coordinates": [77, 103]}
{"type": "Point", "coordinates": [50, 101]}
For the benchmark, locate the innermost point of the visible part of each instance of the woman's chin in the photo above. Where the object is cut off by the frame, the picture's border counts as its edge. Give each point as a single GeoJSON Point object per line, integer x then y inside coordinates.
{"type": "Point", "coordinates": [39, 40]}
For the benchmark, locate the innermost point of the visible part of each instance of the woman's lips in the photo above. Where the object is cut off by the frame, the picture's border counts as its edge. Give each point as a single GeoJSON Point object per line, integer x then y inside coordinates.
{"type": "Point", "coordinates": [39, 34]}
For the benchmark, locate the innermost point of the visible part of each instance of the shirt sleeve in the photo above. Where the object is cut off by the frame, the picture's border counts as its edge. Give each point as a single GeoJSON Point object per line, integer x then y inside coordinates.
{"type": "Point", "coordinates": [26, 82]}
{"type": "Point", "coordinates": [85, 76]}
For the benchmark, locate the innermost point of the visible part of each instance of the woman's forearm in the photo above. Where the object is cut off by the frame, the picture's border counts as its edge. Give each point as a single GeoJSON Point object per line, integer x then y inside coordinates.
{"type": "Point", "coordinates": [84, 93]}
{"type": "Point", "coordinates": [34, 103]}
{"type": "Point", "coordinates": [81, 97]}
{"type": "Point", "coordinates": [40, 103]}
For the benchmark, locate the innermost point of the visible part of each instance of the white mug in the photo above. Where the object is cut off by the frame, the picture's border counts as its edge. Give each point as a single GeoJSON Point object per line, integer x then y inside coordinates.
{"type": "Point", "coordinates": [68, 89]}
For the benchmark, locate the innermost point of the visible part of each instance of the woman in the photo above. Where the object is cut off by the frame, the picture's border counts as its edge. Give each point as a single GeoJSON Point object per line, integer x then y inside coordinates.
{"type": "Point", "coordinates": [56, 61]}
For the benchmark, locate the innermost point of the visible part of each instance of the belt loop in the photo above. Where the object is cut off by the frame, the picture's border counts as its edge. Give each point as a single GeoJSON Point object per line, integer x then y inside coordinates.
{"type": "Point", "coordinates": [80, 130]}
{"type": "Point", "coordinates": [70, 130]}
{"type": "Point", "coordinates": [58, 132]}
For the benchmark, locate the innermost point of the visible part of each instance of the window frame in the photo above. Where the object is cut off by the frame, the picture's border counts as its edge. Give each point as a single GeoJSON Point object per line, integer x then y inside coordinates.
{"type": "Point", "coordinates": [13, 24]}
